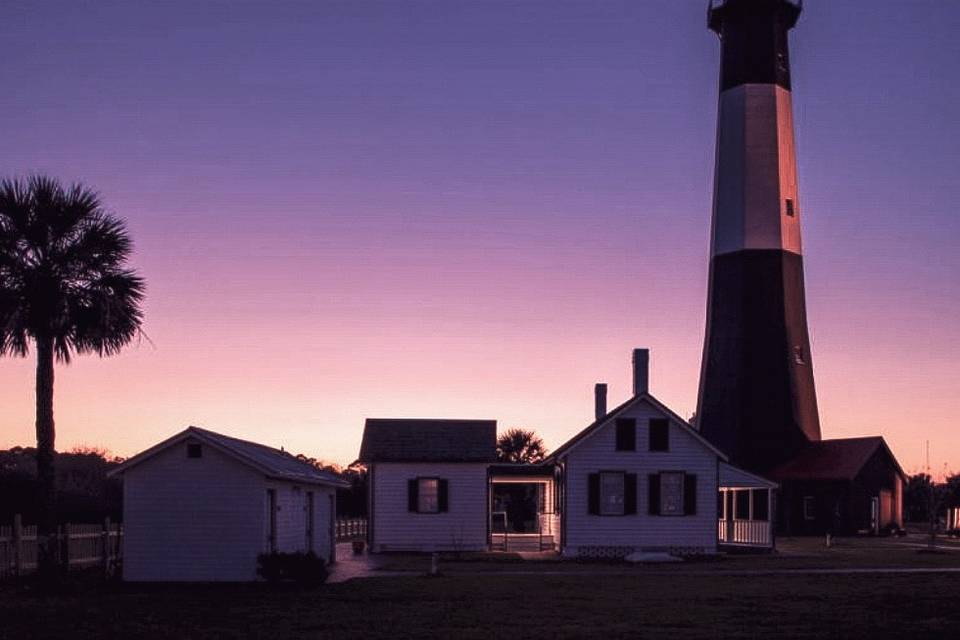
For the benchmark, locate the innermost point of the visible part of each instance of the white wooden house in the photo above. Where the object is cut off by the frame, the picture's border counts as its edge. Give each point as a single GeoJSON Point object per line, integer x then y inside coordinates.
{"type": "Point", "coordinates": [428, 483]}
{"type": "Point", "coordinates": [202, 506]}
{"type": "Point", "coordinates": [639, 478]}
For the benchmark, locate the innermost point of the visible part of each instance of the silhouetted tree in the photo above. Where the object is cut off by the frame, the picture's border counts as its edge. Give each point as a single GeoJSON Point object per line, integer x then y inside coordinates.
{"type": "Point", "coordinates": [84, 493]}
{"type": "Point", "coordinates": [64, 288]}
{"type": "Point", "coordinates": [520, 445]}
{"type": "Point", "coordinates": [917, 497]}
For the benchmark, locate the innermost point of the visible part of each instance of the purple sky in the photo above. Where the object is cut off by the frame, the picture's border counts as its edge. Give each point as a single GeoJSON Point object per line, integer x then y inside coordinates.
{"type": "Point", "coordinates": [476, 209]}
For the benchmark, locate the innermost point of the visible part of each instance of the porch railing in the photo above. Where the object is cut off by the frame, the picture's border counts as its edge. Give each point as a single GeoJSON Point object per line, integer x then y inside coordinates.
{"type": "Point", "coordinates": [745, 532]}
{"type": "Point", "coordinates": [351, 529]}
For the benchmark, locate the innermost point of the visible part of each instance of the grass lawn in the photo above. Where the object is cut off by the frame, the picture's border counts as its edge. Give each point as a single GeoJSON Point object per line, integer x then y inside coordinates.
{"type": "Point", "coordinates": [792, 553]}
{"type": "Point", "coordinates": [483, 599]}
{"type": "Point", "coordinates": [573, 606]}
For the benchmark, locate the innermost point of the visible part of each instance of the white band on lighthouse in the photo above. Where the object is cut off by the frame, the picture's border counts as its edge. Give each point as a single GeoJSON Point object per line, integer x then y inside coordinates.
{"type": "Point", "coordinates": [755, 202]}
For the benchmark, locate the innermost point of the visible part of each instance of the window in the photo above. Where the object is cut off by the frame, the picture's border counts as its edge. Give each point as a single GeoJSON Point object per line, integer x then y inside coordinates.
{"type": "Point", "coordinates": [798, 355]}
{"type": "Point", "coordinates": [626, 434]}
{"type": "Point", "coordinates": [427, 495]}
{"type": "Point", "coordinates": [790, 209]}
{"type": "Point", "coordinates": [659, 434]}
{"type": "Point", "coordinates": [761, 504]}
{"type": "Point", "coordinates": [611, 494]}
{"type": "Point", "coordinates": [194, 450]}
{"type": "Point", "coordinates": [809, 508]}
{"type": "Point", "coordinates": [671, 493]}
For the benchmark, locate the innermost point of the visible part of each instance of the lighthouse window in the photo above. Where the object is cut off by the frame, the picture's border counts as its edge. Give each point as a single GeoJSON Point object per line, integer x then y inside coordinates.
{"type": "Point", "coordinates": [790, 210]}
{"type": "Point", "coordinates": [798, 355]}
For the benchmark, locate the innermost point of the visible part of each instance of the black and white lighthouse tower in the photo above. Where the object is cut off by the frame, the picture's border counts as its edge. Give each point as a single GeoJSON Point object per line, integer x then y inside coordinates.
{"type": "Point", "coordinates": [757, 400]}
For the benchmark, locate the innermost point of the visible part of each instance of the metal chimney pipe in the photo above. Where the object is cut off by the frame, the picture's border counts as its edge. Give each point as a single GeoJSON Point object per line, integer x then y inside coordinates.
{"type": "Point", "coordinates": [600, 399]}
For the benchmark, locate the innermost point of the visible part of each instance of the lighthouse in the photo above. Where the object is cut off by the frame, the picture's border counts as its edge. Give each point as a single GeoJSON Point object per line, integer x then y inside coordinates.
{"type": "Point", "coordinates": [757, 400]}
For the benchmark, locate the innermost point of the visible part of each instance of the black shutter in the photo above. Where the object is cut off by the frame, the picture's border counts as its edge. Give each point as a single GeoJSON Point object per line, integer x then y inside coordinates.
{"type": "Point", "coordinates": [442, 496]}
{"type": "Point", "coordinates": [659, 434]}
{"type": "Point", "coordinates": [629, 494]}
{"type": "Point", "coordinates": [412, 486]}
{"type": "Point", "coordinates": [593, 494]}
{"type": "Point", "coordinates": [653, 494]}
{"type": "Point", "coordinates": [626, 434]}
{"type": "Point", "coordinates": [689, 494]}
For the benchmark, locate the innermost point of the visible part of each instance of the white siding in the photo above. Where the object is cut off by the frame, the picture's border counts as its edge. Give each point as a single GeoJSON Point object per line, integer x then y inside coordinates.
{"type": "Point", "coordinates": [191, 519]}
{"type": "Point", "coordinates": [462, 527]}
{"type": "Point", "coordinates": [641, 531]}
{"type": "Point", "coordinates": [292, 512]}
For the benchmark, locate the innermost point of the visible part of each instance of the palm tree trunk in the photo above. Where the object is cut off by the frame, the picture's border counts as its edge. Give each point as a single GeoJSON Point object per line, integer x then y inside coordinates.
{"type": "Point", "coordinates": [47, 525]}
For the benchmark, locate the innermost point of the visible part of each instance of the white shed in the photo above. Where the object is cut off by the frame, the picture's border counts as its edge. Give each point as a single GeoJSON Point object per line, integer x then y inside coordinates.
{"type": "Point", "coordinates": [201, 506]}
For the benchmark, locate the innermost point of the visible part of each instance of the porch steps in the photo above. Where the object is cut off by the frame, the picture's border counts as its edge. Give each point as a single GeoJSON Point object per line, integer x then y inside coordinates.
{"type": "Point", "coordinates": [521, 542]}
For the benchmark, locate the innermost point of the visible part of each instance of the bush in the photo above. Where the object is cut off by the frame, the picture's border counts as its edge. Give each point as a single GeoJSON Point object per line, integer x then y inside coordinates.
{"type": "Point", "coordinates": [301, 568]}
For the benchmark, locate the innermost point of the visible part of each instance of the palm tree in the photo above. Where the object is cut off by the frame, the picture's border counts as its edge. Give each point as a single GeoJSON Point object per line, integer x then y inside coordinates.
{"type": "Point", "coordinates": [520, 445]}
{"type": "Point", "coordinates": [65, 287]}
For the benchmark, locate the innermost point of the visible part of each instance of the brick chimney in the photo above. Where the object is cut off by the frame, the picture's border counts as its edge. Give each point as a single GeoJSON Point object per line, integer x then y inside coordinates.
{"type": "Point", "coordinates": [641, 371]}
{"type": "Point", "coordinates": [600, 399]}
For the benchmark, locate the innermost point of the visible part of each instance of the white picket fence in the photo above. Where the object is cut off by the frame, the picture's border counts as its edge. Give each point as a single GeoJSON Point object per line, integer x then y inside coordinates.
{"type": "Point", "coordinates": [78, 546]}
{"type": "Point", "coordinates": [351, 529]}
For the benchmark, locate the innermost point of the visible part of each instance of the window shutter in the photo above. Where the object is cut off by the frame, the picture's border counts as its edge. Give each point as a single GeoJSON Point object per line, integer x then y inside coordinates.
{"type": "Point", "coordinates": [659, 434]}
{"type": "Point", "coordinates": [593, 494]}
{"type": "Point", "coordinates": [412, 486]}
{"type": "Point", "coordinates": [442, 495]}
{"type": "Point", "coordinates": [629, 494]}
{"type": "Point", "coordinates": [653, 494]}
{"type": "Point", "coordinates": [689, 494]}
{"type": "Point", "coordinates": [626, 434]}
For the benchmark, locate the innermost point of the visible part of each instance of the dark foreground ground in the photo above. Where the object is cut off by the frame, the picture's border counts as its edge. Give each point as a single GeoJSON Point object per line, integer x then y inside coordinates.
{"type": "Point", "coordinates": [508, 606]}
{"type": "Point", "coordinates": [770, 596]}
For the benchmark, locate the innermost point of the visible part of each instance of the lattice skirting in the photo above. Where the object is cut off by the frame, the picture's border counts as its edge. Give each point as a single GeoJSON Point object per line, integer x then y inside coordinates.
{"type": "Point", "coordinates": [619, 552]}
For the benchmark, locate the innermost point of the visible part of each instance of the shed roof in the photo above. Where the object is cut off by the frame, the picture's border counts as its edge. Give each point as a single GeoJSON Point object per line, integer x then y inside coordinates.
{"type": "Point", "coordinates": [273, 463]}
{"type": "Point", "coordinates": [428, 440]}
{"type": "Point", "coordinates": [836, 459]}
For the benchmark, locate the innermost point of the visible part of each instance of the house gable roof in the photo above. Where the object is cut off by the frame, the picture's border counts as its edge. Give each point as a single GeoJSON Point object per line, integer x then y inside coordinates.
{"type": "Point", "coordinates": [273, 463]}
{"type": "Point", "coordinates": [837, 459]}
{"type": "Point", "coordinates": [428, 440]}
{"type": "Point", "coordinates": [647, 398]}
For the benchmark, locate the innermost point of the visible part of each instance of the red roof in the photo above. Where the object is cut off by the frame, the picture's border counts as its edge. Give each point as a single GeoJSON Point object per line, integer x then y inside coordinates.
{"type": "Point", "coordinates": [839, 459]}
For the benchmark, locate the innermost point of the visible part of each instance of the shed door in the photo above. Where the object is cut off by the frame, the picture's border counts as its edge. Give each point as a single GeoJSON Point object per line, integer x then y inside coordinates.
{"type": "Point", "coordinates": [886, 507]}
{"type": "Point", "coordinates": [310, 520]}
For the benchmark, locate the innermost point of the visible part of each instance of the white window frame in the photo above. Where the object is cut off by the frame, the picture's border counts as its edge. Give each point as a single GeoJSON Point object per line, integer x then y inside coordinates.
{"type": "Point", "coordinates": [677, 509]}
{"type": "Point", "coordinates": [612, 508]}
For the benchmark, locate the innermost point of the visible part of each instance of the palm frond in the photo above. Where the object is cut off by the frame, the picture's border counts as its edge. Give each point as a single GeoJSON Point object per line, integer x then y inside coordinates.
{"type": "Point", "coordinates": [63, 271]}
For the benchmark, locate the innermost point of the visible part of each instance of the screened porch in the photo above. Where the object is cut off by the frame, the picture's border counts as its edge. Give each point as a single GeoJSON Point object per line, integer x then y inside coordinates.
{"type": "Point", "coordinates": [523, 508]}
{"type": "Point", "coordinates": [745, 508]}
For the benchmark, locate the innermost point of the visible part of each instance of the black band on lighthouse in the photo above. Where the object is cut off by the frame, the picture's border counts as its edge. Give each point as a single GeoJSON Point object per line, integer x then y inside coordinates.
{"type": "Point", "coordinates": [754, 39]}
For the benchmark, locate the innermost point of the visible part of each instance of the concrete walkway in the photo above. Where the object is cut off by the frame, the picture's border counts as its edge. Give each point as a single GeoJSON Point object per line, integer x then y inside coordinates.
{"type": "Point", "coordinates": [350, 565]}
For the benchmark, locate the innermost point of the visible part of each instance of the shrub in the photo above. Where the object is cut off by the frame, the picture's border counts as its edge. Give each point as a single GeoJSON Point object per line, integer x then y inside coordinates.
{"type": "Point", "coordinates": [301, 568]}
